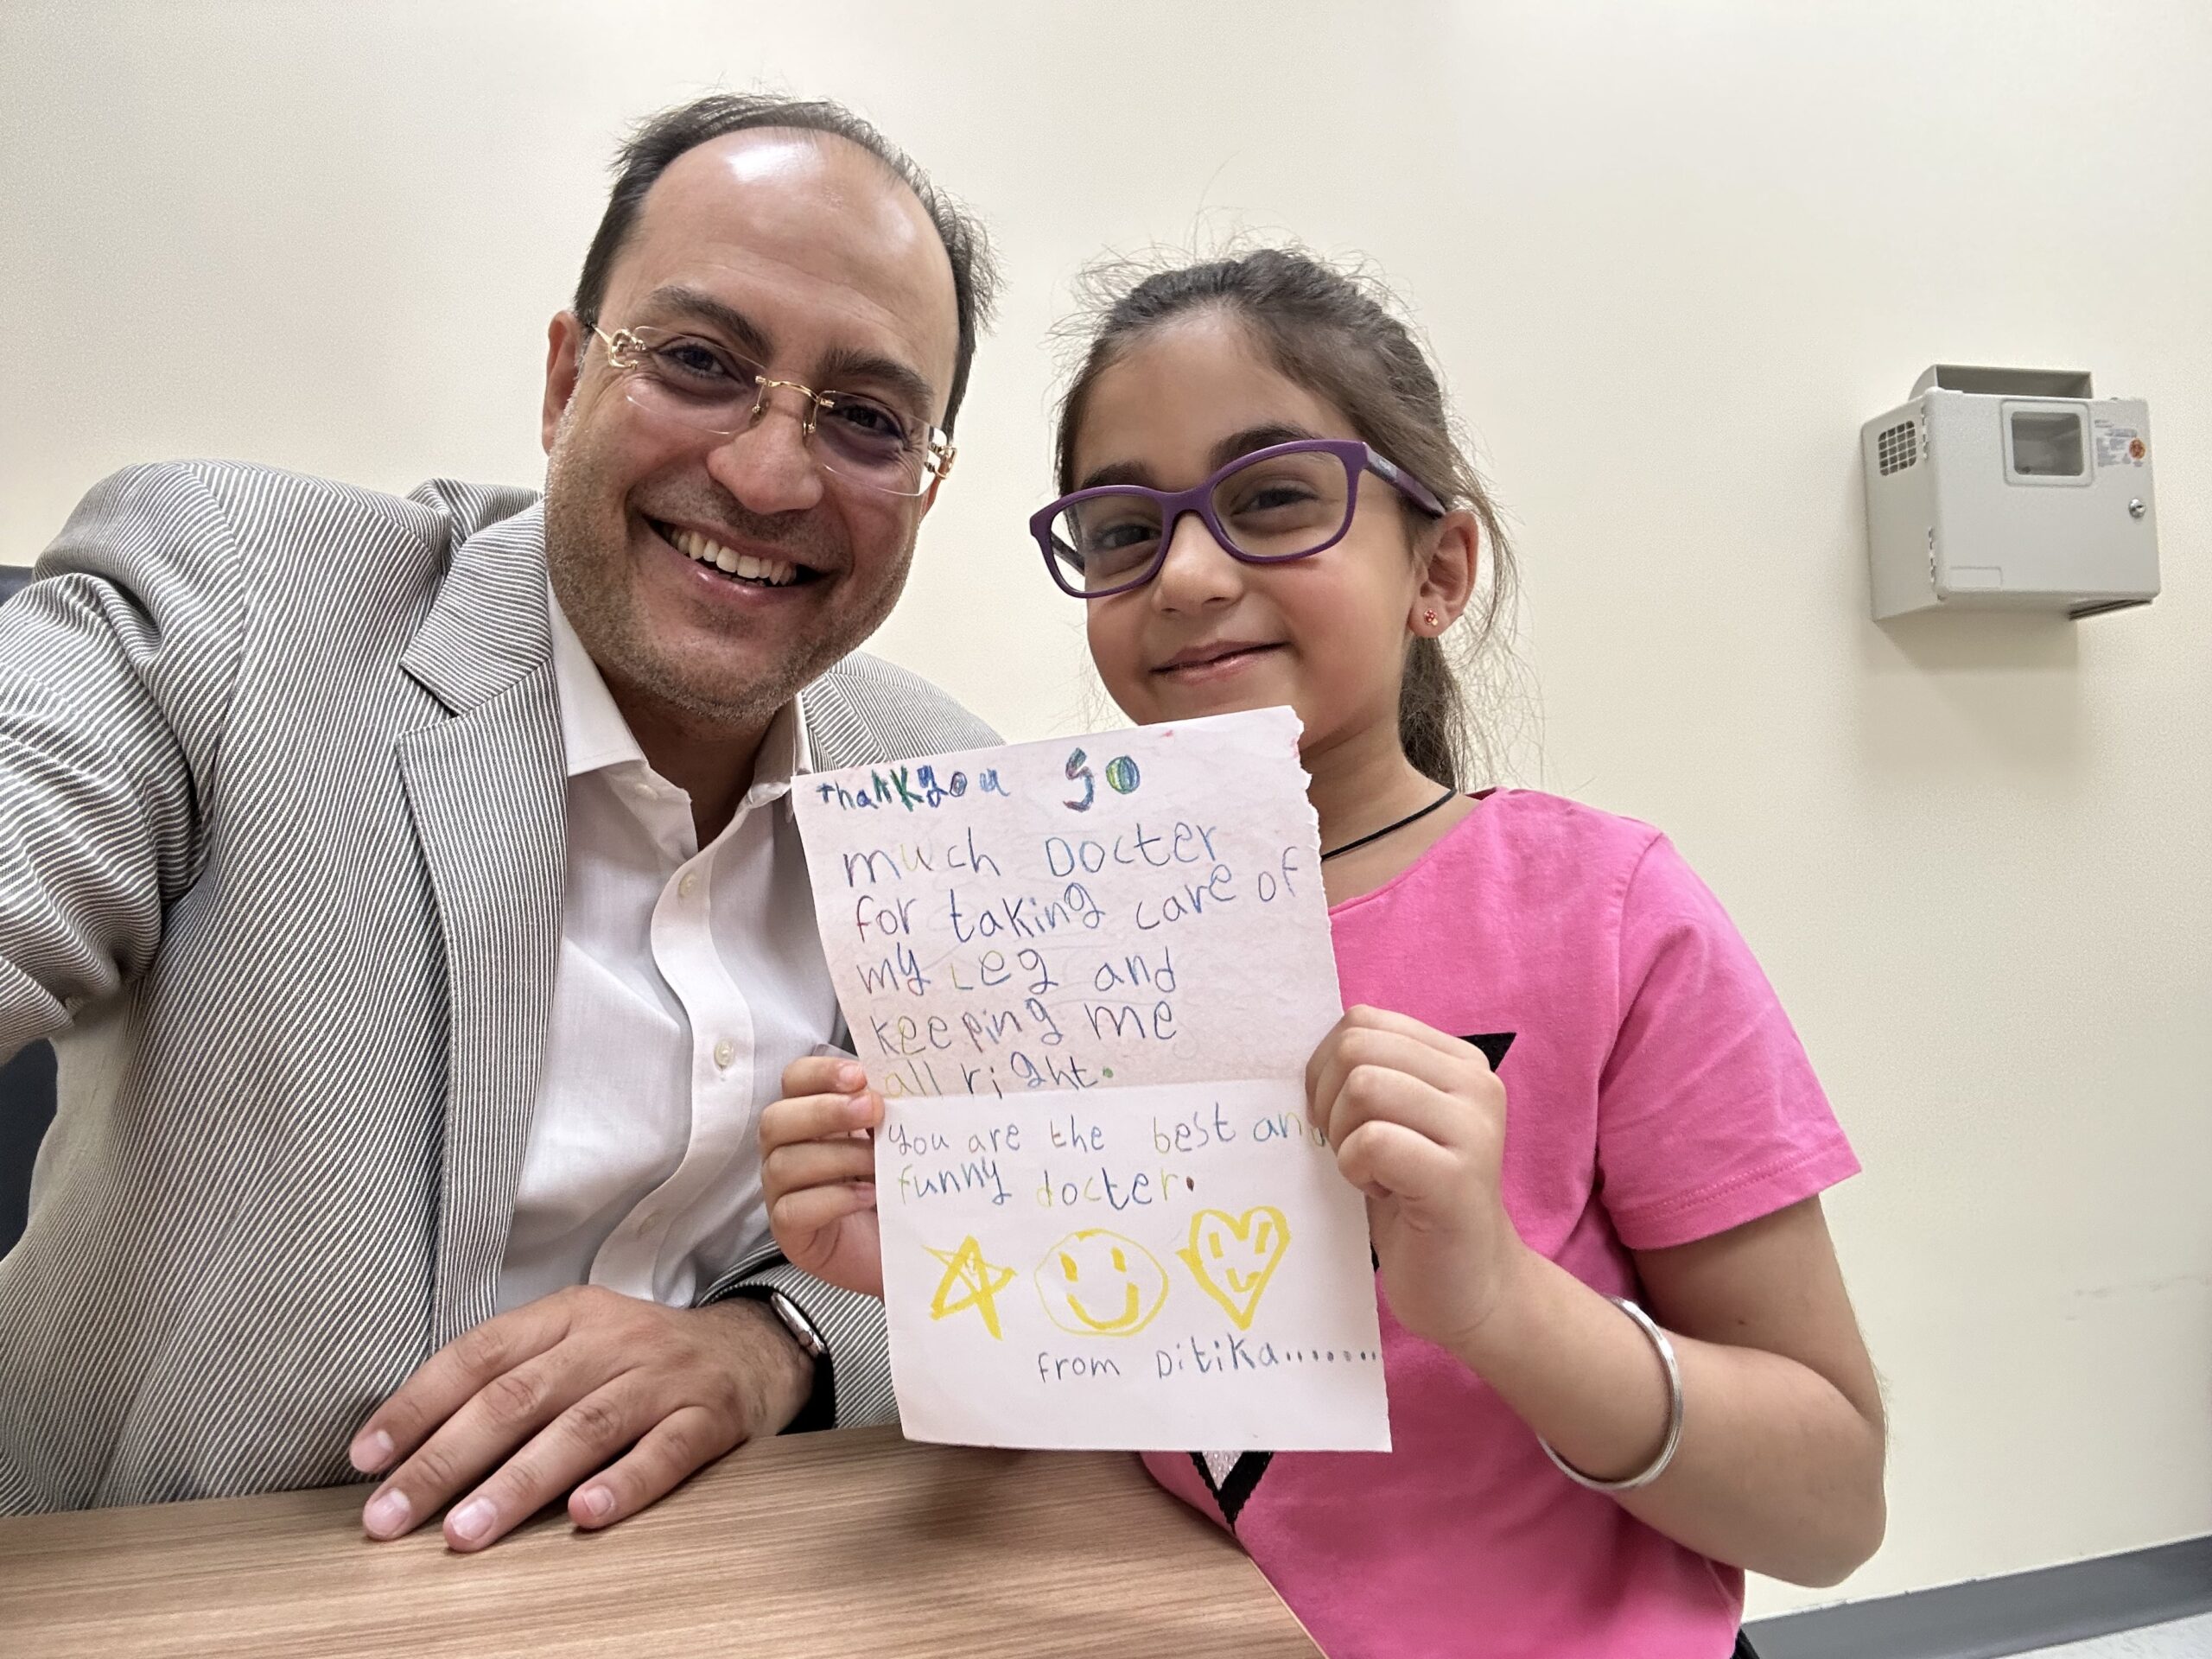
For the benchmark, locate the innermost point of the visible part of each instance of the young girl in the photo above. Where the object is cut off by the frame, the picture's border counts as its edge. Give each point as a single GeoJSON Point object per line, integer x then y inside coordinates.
{"type": "Point", "coordinates": [1622, 1365]}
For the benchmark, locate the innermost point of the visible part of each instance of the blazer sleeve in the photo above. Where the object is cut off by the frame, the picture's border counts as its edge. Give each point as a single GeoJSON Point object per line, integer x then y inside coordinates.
{"type": "Point", "coordinates": [116, 671]}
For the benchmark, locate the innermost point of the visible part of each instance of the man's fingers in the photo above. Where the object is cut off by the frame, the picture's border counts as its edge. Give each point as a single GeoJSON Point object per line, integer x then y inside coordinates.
{"type": "Point", "coordinates": [449, 1377]}
{"type": "Point", "coordinates": [672, 1451]}
{"type": "Point", "coordinates": [491, 1423]}
{"type": "Point", "coordinates": [580, 1440]}
{"type": "Point", "coordinates": [801, 1118]}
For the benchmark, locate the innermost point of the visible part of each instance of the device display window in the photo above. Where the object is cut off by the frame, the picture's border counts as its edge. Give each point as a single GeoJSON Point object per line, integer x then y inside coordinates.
{"type": "Point", "coordinates": [2046, 445]}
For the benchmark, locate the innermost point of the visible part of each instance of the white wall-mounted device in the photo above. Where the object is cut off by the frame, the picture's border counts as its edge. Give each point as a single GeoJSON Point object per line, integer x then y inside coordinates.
{"type": "Point", "coordinates": [2009, 489]}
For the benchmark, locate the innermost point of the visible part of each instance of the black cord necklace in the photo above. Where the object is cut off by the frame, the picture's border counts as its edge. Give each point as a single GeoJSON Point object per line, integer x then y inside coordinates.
{"type": "Point", "coordinates": [1390, 829]}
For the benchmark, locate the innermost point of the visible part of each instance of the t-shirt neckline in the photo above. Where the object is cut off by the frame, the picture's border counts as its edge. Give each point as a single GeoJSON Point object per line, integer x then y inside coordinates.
{"type": "Point", "coordinates": [1481, 798]}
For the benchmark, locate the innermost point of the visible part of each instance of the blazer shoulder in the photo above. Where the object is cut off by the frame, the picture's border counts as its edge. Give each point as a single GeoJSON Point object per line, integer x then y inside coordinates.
{"type": "Point", "coordinates": [257, 509]}
{"type": "Point", "coordinates": [865, 710]}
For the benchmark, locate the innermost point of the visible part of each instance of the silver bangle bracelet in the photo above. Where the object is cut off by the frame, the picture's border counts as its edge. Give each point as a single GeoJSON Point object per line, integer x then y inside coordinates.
{"type": "Point", "coordinates": [1657, 1466]}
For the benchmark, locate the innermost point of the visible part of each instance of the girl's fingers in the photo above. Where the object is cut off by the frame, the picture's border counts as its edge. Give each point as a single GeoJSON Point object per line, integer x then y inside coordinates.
{"type": "Point", "coordinates": [816, 1163]}
{"type": "Point", "coordinates": [1395, 1052]}
{"type": "Point", "coordinates": [1374, 1037]}
{"type": "Point", "coordinates": [1388, 1160]}
{"type": "Point", "coordinates": [794, 1120]}
{"type": "Point", "coordinates": [812, 1209]}
{"type": "Point", "coordinates": [824, 1074]}
{"type": "Point", "coordinates": [1379, 1094]}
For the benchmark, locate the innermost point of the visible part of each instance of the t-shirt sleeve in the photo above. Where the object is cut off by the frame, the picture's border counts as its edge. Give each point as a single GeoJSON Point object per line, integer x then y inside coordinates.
{"type": "Point", "coordinates": [1708, 1113]}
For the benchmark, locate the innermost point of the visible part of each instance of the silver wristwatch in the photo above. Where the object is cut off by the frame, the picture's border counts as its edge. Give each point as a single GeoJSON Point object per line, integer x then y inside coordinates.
{"type": "Point", "coordinates": [802, 1328]}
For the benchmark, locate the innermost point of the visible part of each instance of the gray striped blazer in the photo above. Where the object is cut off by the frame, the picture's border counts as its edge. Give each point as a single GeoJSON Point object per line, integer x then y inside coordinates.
{"type": "Point", "coordinates": [282, 835]}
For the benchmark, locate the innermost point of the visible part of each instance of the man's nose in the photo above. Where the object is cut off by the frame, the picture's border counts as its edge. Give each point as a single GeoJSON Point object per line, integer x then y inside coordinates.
{"type": "Point", "coordinates": [768, 466]}
{"type": "Point", "coordinates": [1198, 570]}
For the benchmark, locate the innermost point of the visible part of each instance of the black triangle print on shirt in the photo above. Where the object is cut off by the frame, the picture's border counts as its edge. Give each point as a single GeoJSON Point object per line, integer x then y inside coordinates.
{"type": "Point", "coordinates": [1493, 1045]}
{"type": "Point", "coordinates": [1231, 1491]}
{"type": "Point", "coordinates": [1242, 1478]}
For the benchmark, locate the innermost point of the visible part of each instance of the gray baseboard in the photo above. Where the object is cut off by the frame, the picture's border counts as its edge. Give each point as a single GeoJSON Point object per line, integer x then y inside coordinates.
{"type": "Point", "coordinates": [1990, 1617]}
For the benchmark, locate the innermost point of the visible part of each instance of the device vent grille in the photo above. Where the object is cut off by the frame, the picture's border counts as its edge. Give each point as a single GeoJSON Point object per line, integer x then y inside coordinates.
{"type": "Point", "coordinates": [1898, 448]}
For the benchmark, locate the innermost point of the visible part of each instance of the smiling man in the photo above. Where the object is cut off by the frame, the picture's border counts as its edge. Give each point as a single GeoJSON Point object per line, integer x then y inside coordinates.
{"type": "Point", "coordinates": [411, 888]}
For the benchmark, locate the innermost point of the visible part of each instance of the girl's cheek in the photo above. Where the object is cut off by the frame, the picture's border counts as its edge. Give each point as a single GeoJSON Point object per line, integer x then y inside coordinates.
{"type": "Point", "coordinates": [1113, 652]}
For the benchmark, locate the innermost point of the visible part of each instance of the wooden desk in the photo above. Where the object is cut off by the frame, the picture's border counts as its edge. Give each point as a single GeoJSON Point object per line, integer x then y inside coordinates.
{"type": "Point", "coordinates": [856, 1542]}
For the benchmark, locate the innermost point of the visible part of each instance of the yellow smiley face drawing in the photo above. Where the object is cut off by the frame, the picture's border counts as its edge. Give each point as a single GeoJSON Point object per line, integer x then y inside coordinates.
{"type": "Point", "coordinates": [1100, 1284]}
{"type": "Point", "coordinates": [1233, 1257]}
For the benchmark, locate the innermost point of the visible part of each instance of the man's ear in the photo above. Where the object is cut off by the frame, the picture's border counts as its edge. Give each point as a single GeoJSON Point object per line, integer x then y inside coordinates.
{"type": "Point", "coordinates": [564, 364]}
{"type": "Point", "coordinates": [1447, 573]}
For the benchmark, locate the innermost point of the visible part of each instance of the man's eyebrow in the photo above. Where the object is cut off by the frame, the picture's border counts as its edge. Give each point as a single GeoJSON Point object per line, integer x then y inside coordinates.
{"type": "Point", "coordinates": [1235, 444]}
{"type": "Point", "coordinates": [744, 333]}
{"type": "Point", "coordinates": [845, 369]}
{"type": "Point", "coordinates": [900, 381]}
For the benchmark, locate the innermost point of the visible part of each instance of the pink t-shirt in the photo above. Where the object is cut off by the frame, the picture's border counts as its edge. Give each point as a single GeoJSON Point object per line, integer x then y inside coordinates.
{"type": "Point", "coordinates": [1656, 1094]}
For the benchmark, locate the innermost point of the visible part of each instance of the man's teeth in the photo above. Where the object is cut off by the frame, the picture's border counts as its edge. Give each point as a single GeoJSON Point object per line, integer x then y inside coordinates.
{"type": "Point", "coordinates": [774, 572]}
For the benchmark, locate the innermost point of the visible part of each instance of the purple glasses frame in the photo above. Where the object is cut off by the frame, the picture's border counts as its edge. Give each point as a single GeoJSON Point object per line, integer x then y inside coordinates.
{"type": "Point", "coordinates": [1357, 458]}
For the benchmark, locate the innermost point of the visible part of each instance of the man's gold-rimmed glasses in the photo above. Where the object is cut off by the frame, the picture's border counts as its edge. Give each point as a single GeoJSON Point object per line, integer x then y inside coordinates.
{"type": "Point", "coordinates": [702, 385]}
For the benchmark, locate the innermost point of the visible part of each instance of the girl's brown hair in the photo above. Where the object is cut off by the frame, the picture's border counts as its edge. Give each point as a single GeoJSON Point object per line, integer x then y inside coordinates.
{"type": "Point", "coordinates": [1336, 333]}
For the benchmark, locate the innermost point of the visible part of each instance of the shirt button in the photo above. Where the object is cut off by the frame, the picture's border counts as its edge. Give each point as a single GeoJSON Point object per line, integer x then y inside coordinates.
{"type": "Point", "coordinates": [688, 885]}
{"type": "Point", "coordinates": [725, 1051]}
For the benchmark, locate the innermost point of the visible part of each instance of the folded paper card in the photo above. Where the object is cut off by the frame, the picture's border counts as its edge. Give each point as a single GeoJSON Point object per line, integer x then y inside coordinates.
{"type": "Point", "coordinates": [1087, 976]}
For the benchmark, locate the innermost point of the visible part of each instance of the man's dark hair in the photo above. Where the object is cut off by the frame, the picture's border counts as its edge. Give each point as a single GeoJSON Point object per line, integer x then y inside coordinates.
{"type": "Point", "coordinates": [659, 139]}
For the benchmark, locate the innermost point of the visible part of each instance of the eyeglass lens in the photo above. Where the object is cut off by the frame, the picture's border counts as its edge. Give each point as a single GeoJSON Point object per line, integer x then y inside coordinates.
{"type": "Point", "coordinates": [1276, 507]}
{"type": "Point", "coordinates": [703, 386]}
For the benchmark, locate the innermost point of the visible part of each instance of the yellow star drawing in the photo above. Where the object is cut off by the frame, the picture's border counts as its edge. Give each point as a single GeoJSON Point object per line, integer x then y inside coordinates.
{"type": "Point", "coordinates": [965, 1269]}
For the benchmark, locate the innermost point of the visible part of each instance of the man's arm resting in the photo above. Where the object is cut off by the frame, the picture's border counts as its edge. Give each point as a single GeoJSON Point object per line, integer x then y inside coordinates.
{"type": "Point", "coordinates": [611, 1399]}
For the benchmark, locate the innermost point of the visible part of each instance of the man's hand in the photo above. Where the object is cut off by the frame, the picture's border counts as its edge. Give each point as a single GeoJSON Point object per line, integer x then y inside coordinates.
{"type": "Point", "coordinates": [625, 1396]}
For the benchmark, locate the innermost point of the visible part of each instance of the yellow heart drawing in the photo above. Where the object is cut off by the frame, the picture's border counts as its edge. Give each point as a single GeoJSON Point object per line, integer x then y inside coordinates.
{"type": "Point", "coordinates": [1233, 1257]}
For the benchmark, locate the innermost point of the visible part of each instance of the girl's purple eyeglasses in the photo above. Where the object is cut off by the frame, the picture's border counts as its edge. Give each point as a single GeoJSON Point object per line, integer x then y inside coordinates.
{"type": "Point", "coordinates": [1287, 501]}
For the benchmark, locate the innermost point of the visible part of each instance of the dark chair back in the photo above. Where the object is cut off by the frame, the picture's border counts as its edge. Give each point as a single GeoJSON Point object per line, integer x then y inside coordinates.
{"type": "Point", "coordinates": [26, 1108]}
{"type": "Point", "coordinates": [26, 1083]}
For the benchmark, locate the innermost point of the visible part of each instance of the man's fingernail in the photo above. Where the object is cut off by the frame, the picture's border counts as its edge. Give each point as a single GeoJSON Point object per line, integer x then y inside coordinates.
{"type": "Point", "coordinates": [386, 1514]}
{"type": "Point", "coordinates": [595, 1501]}
{"type": "Point", "coordinates": [850, 1076]}
{"type": "Point", "coordinates": [472, 1520]}
{"type": "Point", "coordinates": [371, 1452]}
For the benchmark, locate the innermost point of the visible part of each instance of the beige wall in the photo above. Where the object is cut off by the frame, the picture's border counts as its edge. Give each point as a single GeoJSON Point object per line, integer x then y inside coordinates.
{"type": "Point", "coordinates": [1672, 255]}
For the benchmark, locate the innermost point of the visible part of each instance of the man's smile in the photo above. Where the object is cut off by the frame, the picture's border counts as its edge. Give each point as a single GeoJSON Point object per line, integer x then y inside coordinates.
{"type": "Point", "coordinates": [748, 567]}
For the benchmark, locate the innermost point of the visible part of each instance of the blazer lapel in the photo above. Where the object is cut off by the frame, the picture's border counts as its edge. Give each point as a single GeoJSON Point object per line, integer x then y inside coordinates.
{"type": "Point", "coordinates": [487, 788]}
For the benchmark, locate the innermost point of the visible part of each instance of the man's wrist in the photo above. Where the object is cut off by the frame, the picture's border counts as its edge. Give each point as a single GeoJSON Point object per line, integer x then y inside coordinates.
{"type": "Point", "coordinates": [805, 1399]}
{"type": "Point", "coordinates": [780, 1375]}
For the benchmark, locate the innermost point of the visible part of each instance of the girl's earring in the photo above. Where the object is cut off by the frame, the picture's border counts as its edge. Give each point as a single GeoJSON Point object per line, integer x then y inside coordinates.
{"type": "Point", "coordinates": [1429, 618]}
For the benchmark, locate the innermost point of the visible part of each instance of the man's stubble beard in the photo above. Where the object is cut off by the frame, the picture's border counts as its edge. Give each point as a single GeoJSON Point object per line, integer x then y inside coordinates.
{"type": "Point", "coordinates": [591, 580]}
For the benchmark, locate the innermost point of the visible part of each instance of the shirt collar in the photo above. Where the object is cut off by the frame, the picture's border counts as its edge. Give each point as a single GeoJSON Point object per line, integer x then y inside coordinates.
{"type": "Point", "coordinates": [596, 736]}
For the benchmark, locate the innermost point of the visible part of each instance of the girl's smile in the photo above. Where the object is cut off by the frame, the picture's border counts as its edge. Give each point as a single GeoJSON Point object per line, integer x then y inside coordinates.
{"type": "Point", "coordinates": [1215, 660]}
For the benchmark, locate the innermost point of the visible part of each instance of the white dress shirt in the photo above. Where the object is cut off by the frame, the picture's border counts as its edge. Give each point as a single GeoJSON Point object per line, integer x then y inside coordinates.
{"type": "Point", "coordinates": [688, 978]}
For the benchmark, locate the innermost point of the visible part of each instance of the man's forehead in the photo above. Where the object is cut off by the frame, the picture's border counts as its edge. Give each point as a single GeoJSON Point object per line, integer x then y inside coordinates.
{"type": "Point", "coordinates": [808, 225]}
